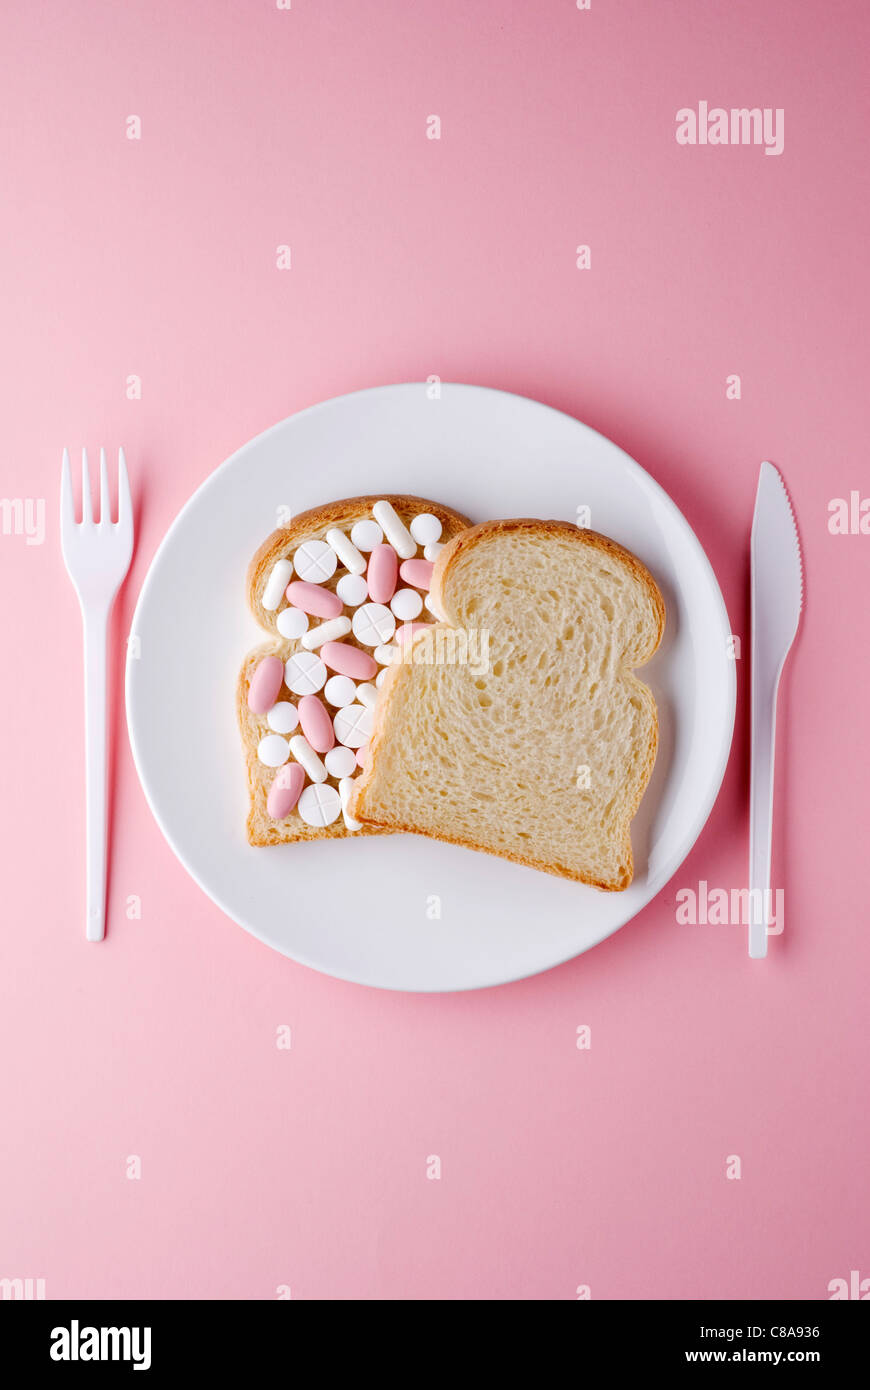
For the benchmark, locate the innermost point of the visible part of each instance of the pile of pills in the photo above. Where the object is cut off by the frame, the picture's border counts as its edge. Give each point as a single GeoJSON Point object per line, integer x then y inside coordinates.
{"type": "Point", "coordinates": [318, 741]}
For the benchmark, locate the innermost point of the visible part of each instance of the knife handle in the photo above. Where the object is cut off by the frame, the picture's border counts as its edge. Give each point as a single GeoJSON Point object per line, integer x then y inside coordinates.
{"type": "Point", "coordinates": [764, 693]}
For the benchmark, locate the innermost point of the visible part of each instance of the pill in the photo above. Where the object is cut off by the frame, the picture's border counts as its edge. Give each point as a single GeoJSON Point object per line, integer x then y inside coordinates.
{"type": "Point", "coordinates": [305, 673]}
{"type": "Point", "coordinates": [352, 589]}
{"type": "Point", "coordinates": [283, 717]}
{"type": "Point", "coordinates": [433, 607]}
{"type": "Point", "coordinates": [416, 572]}
{"type": "Point", "coordinates": [367, 694]}
{"type": "Point", "coordinates": [353, 725]}
{"type": "Point", "coordinates": [313, 598]}
{"type": "Point", "coordinates": [346, 551]}
{"type": "Point", "coordinates": [326, 632]}
{"type": "Point", "coordinates": [273, 751]}
{"type": "Point", "coordinates": [409, 630]}
{"type": "Point", "coordinates": [339, 691]}
{"type": "Point", "coordinates": [265, 684]}
{"type": "Point", "coordinates": [315, 723]}
{"type": "Point", "coordinates": [362, 755]}
{"type": "Point", "coordinates": [426, 529]}
{"type": "Point", "coordinates": [348, 661]}
{"type": "Point", "coordinates": [394, 529]}
{"type": "Point", "coordinates": [366, 535]}
{"type": "Point", "coordinates": [344, 789]}
{"type": "Point", "coordinates": [291, 623]}
{"type": "Point", "coordinates": [373, 625]}
{"type": "Point", "coordinates": [381, 677]}
{"type": "Point", "coordinates": [382, 572]}
{"type": "Point", "coordinates": [384, 654]}
{"type": "Point", "coordinates": [406, 603]}
{"type": "Point", "coordinates": [340, 761]}
{"type": "Point", "coordinates": [315, 561]}
{"type": "Point", "coordinates": [276, 584]}
{"type": "Point", "coordinates": [307, 758]}
{"type": "Point", "coordinates": [320, 805]}
{"type": "Point", "coordinates": [431, 552]}
{"type": "Point", "coordinates": [284, 791]}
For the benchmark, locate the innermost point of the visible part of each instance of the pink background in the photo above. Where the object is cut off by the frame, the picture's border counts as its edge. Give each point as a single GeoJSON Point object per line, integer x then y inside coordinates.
{"type": "Point", "coordinates": [561, 1167]}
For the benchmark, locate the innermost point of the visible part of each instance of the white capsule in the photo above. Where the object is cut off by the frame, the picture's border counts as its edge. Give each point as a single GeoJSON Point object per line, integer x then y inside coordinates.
{"type": "Point", "coordinates": [283, 717]}
{"type": "Point", "coordinates": [277, 582]}
{"type": "Point", "coordinates": [291, 623]}
{"type": "Point", "coordinates": [367, 694]}
{"type": "Point", "coordinates": [339, 691]}
{"type": "Point", "coordinates": [340, 761]}
{"type": "Point", "coordinates": [307, 759]}
{"type": "Point", "coordinates": [273, 751]}
{"type": "Point", "coordinates": [406, 604]}
{"type": "Point", "coordinates": [344, 787]}
{"type": "Point", "coordinates": [431, 552]}
{"type": "Point", "coordinates": [326, 632]}
{"type": "Point", "coordinates": [315, 561]}
{"type": "Point", "coordinates": [373, 624]}
{"type": "Point", "coordinates": [353, 725]}
{"type": "Point", "coordinates": [366, 535]}
{"type": "Point", "coordinates": [305, 673]}
{"type": "Point", "coordinates": [346, 551]}
{"type": "Point", "coordinates": [395, 530]}
{"type": "Point", "coordinates": [352, 589]}
{"type": "Point", "coordinates": [426, 529]}
{"type": "Point", "coordinates": [319, 806]}
{"type": "Point", "coordinates": [386, 653]}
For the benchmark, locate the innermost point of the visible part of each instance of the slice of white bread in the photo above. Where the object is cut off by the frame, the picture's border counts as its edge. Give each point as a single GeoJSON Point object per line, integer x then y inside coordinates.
{"type": "Point", "coordinates": [544, 756]}
{"type": "Point", "coordinates": [281, 545]}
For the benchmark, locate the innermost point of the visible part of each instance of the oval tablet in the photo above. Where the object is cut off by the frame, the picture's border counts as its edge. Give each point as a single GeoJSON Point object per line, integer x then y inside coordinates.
{"type": "Point", "coordinates": [347, 661]}
{"type": "Point", "coordinates": [382, 573]}
{"type": "Point", "coordinates": [273, 750]}
{"type": "Point", "coordinates": [416, 572]}
{"type": "Point", "coordinates": [313, 598]}
{"type": "Point", "coordinates": [285, 790]}
{"type": "Point", "coordinates": [409, 630]}
{"type": "Point", "coordinates": [265, 684]}
{"type": "Point", "coordinates": [316, 723]}
{"type": "Point", "coordinates": [319, 805]}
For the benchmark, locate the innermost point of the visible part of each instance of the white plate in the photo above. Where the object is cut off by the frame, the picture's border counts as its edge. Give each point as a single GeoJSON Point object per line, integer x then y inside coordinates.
{"type": "Point", "coordinates": [359, 909]}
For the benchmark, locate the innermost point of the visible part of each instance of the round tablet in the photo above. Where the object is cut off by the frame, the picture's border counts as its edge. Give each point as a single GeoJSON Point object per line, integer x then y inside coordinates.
{"type": "Point", "coordinates": [305, 673]}
{"type": "Point", "coordinates": [366, 535]}
{"type": "Point", "coordinates": [283, 717]}
{"type": "Point", "coordinates": [292, 623]}
{"type": "Point", "coordinates": [273, 750]}
{"type": "Point", "coordinates": [340, 691]}
{"type": "Point", "coordinates": [319, 804]}
{"type": "Point", "coordinates": [340, 761]}
{"type": "Point", "coordinates": [352, 589]}
{"type": "Point", "coordinates": [353, 726]}
{"type": "Point", "coordinates": [315, 561]}
{"type": "Point", "coordinates": [430, 552]}
{"type": "Point", "coordinates": [381, 677]}
{"type": "Point", "coordinates": [407, 604]}
{"type": "Point", "coordinates": [383, 655]}
{"type": "Point", "coordinates": [373, 624]}
{"type": "Point", "coordinates": [426, 529]}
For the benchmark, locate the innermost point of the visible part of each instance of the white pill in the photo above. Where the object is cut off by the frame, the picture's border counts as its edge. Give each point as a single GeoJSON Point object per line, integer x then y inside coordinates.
{"type": "Point", "coordinates": [307, 758]}
{"type": "Point", "coordinates": [283, 717]}
{"type": "Point", "coordinates": [340, 691]}
{"type": "Point", "coordinates": [273, 751]}
{"type": "Point", "coordinates": [315, 561]}
{"type": "Point", "coordinates": [373, 624]}
{"type": "Point", "coordinates": [326, 632]}
{"type": "Point", "coordinates": [353, 725]}
{"type": "Point", "coordinates": [406, 605]}
{"type": "Point", "coordinates": [426, 529]}
{"type": "Point", "coordinates": [340, 761]}
{"type": "Point", "coordinates": [433, 608]}
{"type": "Point", "coordinates": [305, 673]}
{"type": "Point", "coordinates": [346, 551]}
{"type": "Point", "coordinates": [277, 582]}
{"type": "Point", "coordinates": [381, 677]}
{"type": "Point", "coordinates": [344, 787]}
{"type": "Point", "coordinates": [366, 535]}
{"type": "Point", "coordinates": [430, 552]}
{"type": "Point", "coordinates": [291, 623]}
{"type": "Point", "coordinates": [395, 530]}
{"type": "Point", "coordinates": [319, 805]}
{"type": "Point", "coordinates": [367, 694]}
{"type": "Point", "coordinates": [384, 654]}
{"type": "Point", "coordinates": [352, 589]}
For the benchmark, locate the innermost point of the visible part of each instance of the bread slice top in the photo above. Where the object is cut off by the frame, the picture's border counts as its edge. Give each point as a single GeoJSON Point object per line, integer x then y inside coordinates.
{"type": "Point", "coordinates": [516, 725]}
{"type": "Point", "coordinates": [262, 829]}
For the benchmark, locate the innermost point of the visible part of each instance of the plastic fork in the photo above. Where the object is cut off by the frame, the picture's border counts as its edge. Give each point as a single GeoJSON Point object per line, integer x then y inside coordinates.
{"type": "Point", "coordinates": [97, 557]}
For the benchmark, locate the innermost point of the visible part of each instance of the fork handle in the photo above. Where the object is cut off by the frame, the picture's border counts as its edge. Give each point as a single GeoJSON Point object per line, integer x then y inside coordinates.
{"type": "Point", "coordinates": [765, 686]}
{"type": "Point", "coordinates": [96, 622]}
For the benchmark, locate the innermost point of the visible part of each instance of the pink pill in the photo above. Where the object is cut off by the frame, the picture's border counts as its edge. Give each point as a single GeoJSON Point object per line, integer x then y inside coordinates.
{"type": "Point", "coordinates": [265, 684]}
{"type": "Point", "coordinates": [382, 573]}
{"type": "Point", "coordinates": [316, 723]}
{"type": "Point", "coordinates": [285, 790]}
{"type": "Point", "coordinates": [362, 755]}
{"type": "Point", "coordinates": [313, 598]}
{"type": "Point", "coordinates": [348, 661]}
{"type": "Point", "coordinates": [409, 630]}
{"type": "Point", "coordinates": [416, 572]}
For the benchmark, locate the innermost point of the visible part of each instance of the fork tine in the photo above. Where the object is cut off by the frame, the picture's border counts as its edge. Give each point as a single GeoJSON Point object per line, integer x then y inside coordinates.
{"type": "Point", "coordinates": [67, 513]}
{"type": "Point", "coordinates": [125, 505]}
{"type": "Point", "coordinates": [87, 504]}
{"type": "Point", "coordinates": [105, 503]}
